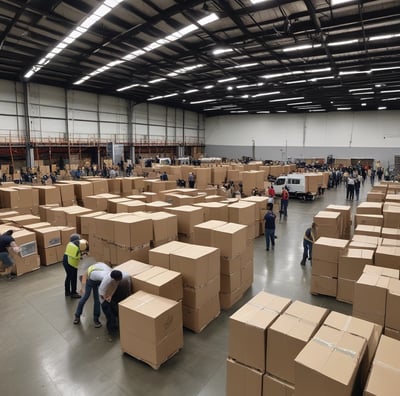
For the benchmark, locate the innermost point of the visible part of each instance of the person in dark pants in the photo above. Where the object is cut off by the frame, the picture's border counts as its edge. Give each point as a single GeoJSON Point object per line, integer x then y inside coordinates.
{"type": "Point", "coordinates": [91, 280]}
{"type": "Point", "coordinates": [269, 220]}
{"type": "Point", "coordinates": [308, 241]}
{"type": "Point", "coordinates": [71, 260]}
{"type": "Point", "coordinates": [191, 180]}
{"type": "Point", "coordinates": [7, 241]}
{"type": "Point", "coordinates": [107, 288]}
{"type": "Point", "coordinates": [284, 201]}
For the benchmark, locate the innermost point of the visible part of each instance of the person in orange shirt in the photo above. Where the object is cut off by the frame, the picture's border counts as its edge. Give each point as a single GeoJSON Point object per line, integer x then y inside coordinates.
{"type": "Point", "coordinates": [284, 201]}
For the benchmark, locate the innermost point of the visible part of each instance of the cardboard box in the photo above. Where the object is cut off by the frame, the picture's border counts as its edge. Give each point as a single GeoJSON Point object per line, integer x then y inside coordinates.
{"type": "Point", "coordinates": [227, 300]}
{"type": "Point", "coordinates": [159, 281]}
{"type": "Point", "coordinates": [373, 196]}
{"type": "Point", "coordinates": [368, 230]}
{"type": "Point", "coordinates": [85, 223]}
{"type": "Point", "coordinates": [345, 290]}
{"type": "Point", "coordinates": [214, 210]}
{"type": "Point", "coordinates": [242, 380]}
{"type": "Point", "coordinates": [165, 225]}
{"type": "Point", "coordinates": [324, 285]}
{"type": "Point", "coordinates": [48, 237]}
{"type": "Point", "coordinates": [329, 249]}
{"type": "Point", "coordinates": [197, 264]}
{"type": "Point", "coordinates": [382, 271]}
{"type": "Point", "coordinates": [230, 265]}
{"type": "Point", "coordinates": [373, 220]}
{"type": "Point", "coordinates": [392, 333]}
{"type": "Point", "coordinates": [204, 232]}
{"type": "Point", "coordinates": [242, 212]}
{"type": "Point", "coordinates": [231, 239]}
{"type": "Point", "coordinates": [329, 363]}
{"type": "Point", "coordinates": [157, 206]}
{"type": "Point", "coordinates": [391, 215]}
{"type": "Point", "coordinates": [196, 319]}
{"type": "Point", "coordinates": [328, 224]}
{"type": "Point", "coordinates": [390, 242]}
{"type": "Point", "coordinates": [392, 317]}
{"type": "Point", "coordinates": [150, 327]}
{"type": "Point", "coordinates": [324, 268]}
{"type": "Point", "coordinates": [353, 261]}
{"type": "Point", "coordinates": [133, 268]}
{"type": "Point", "coordinates": [384, 376]}
{"type": "Point", "coordinates": [131, 230]}
{"type": "Point", "coordinates": [371, 332]}
{"type": "Point", "coordinates": [289, 335]}
{"type": "Point", "coordinates": [188, 217]}
{"type": "Point", "coordinates": [370, 298]}
{"type": "Point", "coordinates": [276, 387]}
{"type": "Point", "coordinates": [48, 195]}
{"type": "Point", "coordinates": [387, 256]}
{"type": "Point", "coordinates": [160, 255]}
{"type": "Point", "coordinates": [369, 239]}
{"type": "Point", "coordinates": [197, 297]}
{"type": "Point", "coordinates": [49, 256]}
{"type": "Point", "coordinates": [369, 208]}
{"type": "Point", "coordinates": [250, 323]}
{"type": "Point", "coordinates": [98, 202]}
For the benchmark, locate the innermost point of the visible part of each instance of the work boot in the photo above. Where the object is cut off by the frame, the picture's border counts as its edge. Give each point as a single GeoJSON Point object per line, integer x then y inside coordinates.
{"type": "Point", "coordinates": [303, 262]}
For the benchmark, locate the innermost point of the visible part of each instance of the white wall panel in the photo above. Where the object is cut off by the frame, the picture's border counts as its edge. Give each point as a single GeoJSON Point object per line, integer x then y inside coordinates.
{"type": "Point", "coordinates": [7, 90]}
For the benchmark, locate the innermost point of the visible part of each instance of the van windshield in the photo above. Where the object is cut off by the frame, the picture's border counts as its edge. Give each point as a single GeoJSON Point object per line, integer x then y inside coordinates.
{"type": "Point", "coordinates": [280, 182]}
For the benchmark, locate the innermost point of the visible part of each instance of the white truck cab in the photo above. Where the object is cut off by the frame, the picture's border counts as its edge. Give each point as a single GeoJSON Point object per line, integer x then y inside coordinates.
{"type": "Point", "coordinates": [298, 185]}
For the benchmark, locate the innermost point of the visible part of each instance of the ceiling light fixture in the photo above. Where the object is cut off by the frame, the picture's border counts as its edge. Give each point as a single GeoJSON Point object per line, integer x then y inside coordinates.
{"type": "Point", "coordinates": [203, 101]}
{"type": "Point", "coordinates": [301, 47]}
{"type": "Point", "coordinates": [343, 108]}
{"type": "Point", "coordinates": [382, 108]}
{"type": "Point", "coordinates": [190, 91]}
{"type": "Point", "coordinates": [127, 87]}
{"type": "Point", "coordinates": [287, 99]}
{"type": "Point", "coordinates": [156, 80]}
{"type": "Point", "coordinates": [344, 42]}
{"type": "Point", "coordinates": [220, 51]}
{"type": "Point", "coordinates": [266, 94]}
{"type": "Point", "coordinates": [227, 79]}
{"type": "Point", "coordinates": [390, 91]}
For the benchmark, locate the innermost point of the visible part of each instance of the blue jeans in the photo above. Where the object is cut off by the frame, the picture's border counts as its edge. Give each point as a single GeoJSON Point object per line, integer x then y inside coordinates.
{"type": "Point", "coordinates": [284, 206]}
{"type": "Point", "coordinates": [6, 259]}
{"type": "Point", "coordinates": [90, 285]}
{"type": "Point", "coordinates": [270, 236]}
{"type": "Point", "coordinates": [307, 252]}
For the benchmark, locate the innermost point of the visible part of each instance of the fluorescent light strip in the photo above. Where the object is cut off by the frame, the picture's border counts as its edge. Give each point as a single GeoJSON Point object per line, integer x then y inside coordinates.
{"type": "Point", "coordinates": [301, 47]}
{"type": "Point", "coordinates": [190, 91]}
{"type": "Point", "coordinates": [298, 103]}
{"type": "Point", "coordinates": [324, 69]}
{"type": "Point", "coordinates": [281, 111]}
{"type": "Point", "coordinates": [295, 82]}
{"type": "Point", "coordinates": [155, 98]}
{"type": "Point", "coordinates": [219, 51]}
{"type": "Point", "coordinates": [266, 94]}
{"type": "Point", "coordinates": [127, 87]}
{"type": "Point", "coordinates": [170, 95]}
{"type": "Point", "coordinates": [347, 73]}
{"type": "Point", "coordinates": [292, 73]}
{"type": "Point", "coordinates": [287, 99]}
{"type": "Point", "coordinates": [227, 79]}
{"type": "Point", "coordinates": [363, 93]}
{"type": "Point", "coordinates": [343, 108]}
{"type": "Point", "coordinates": [239, 111]}
{"type": "Point", "coordinates": [208, 87]}
{"type": "Point", "coordinates": [249, 85]}
{"type": "Point", "coordinates": [382, 108]}
{"type": "Point", "coordinates": [366, 98]}
{"type": "Point", "coordinates": [170, 38]}
{"type": "Point", "coordinates": [257, 1]}
{"type": "Point", "coordinates": [336, 2]}
{"type": "Point", "coordinates": [316, 110]}
{"type": "Point", "coordinates": [321, 78]}
{"type": "Point", "coordinates": [389, 99]}
{"type": "Point", "coordinates": [203, 101]}
{"type": "Point", "coordinates": [359, 89]}
{"type": "Point", "coordinates": [157, 80]}
{"type": "Point", "coordinates": [383, 37]}
{"type": "Point", "coordinates": [242, 66]}
{"type": "Point", "coordinates": [344, 42]}
{"type": "Point", "coordinates": [390, 91]}
{"type": "Point", "coordinates": [263, 112]}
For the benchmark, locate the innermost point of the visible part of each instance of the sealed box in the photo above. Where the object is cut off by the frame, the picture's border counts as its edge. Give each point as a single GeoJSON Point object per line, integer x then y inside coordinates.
{"type": "Point", "coordinates": [204, 232]}
{"type": "Point", "coordinates": [325, 285]}
{"type": "Point", "coordinates": [368, 230]}
{"type": "Point", "coordinates": [165, 225]}
{"type": "Point", "coordinates": [324, 268]}
{"type": "Point", "coordinates": [370, 298]}
{"type": "Point", "coordinates": [150, 327]}
{"type": "Point", "coordinates": [384, 378]}
{"type": "Point", "coordinates": [352, 263]}
{"type": "Point", "coordinates": [328, 365]}
{"type": "Point", "coordinates": [197, 264]}
{"type": "Point", "coordinates": [250, 323]}
{"type": "Point", "coordinates": [214, 210]}
{"type": "Point", "coordinates": [373, 220]}
{"type": "Point", "coordinates": [392, 317]}
{"type": "Point", "coordinates": [157, 206]}
{"type": "Point", "coordinates": [161, 255]}
{"type": "Point", "coordinates": [242, 212]}
{"type": "Point", "coordinates": [48, 237]}
{"type": "Point", "coordinates": [276, 387]}
{"type": "Point", "coordinates": [373, 208]}
{"type": "Point", "coordinates": [188, 217]}
{"type": "Point", "coordinates": [345, 290]}
{"type": "Point", "coordinates": [131, 230]}
{"type": "Point", "coordinates": [329, 249]}
{"type": "Point", "coordinates": [388, 256]}
{"type": "Point", "coordinates": [242, 380]}
{"type": "Point", "coordinates": [197, 297]}
{"type": "Point", "coordinates": [133, 268]}
{"type": "Point", "coordinates": [288, 335]}
{"type": "Point", "coordinates": [231, 239]}
{"type": "Point", "coordinates": [382, 271]}
{"type": "Point", "coordinates": [159, 281]}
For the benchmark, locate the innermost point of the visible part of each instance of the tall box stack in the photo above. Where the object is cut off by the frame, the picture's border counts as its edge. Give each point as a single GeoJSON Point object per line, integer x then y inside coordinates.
{"type": "Point", "coordinates": [243, 212]}
{"type": "Point", "coordinates": [218, 175]}
{"type": "Point", "coordinates": [329, 364]}
{"type": "Point", "coordinates": [188, 217]}
{"type": "Point", "coordinates": [288, 335]}
{"type": "Point", "coordinates": [48, 195]}
{"type": "Point", "coordinates": [203, 177]}
{"type": "Point", "coordinates": [350, 268]}
{"type": "Point", "coordinates": [67, 194]}
{"type": "Point", "coordinates": [326, 253]}
{"type": "Point", "coordinates": [261, 208]}
{"type": "Point", "coordinates": [200, 269]}
{"type": "Point", "coordinates": [231, 239]}
{"type": "Point", "coordinates": [370, 292]}
{"type": "Point", "coordinates": [98, 202]}
{"type": "Point", "coordinates": [392, 317]}
{"type": "Point", "coordinates": [49, 245]}
{"type": "Point", "coordinates": [214, 210]}
{"type": "Point", "coordinates": [345, 210]}
{"type": "Point", "coordinates": [150, 327]}
{"type": "Point", "coordinates": [28, 259]}
{"type": "Point", "coordinates": [252, 179]}
{"type": "Point", "coordinates": [247, 344]}
{"type": "Point", "coordinates": [328, 224]}
{"type": "Point", "coordinates": [384, 378]}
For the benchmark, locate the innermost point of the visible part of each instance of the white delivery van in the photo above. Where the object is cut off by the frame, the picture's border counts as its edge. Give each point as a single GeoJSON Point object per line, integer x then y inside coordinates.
{"type": "Point", "coordinates": [299, 186]}
{"type": "Point", "coordinates": [164, 161]}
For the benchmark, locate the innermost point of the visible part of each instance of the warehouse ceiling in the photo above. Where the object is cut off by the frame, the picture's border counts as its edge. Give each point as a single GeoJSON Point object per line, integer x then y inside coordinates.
{"type": "Point", "coordinates": [217, 57]}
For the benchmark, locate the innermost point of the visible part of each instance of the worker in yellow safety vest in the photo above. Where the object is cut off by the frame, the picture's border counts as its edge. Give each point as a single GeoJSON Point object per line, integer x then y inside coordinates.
{"type": "Point", "coordinates": [72, 256]}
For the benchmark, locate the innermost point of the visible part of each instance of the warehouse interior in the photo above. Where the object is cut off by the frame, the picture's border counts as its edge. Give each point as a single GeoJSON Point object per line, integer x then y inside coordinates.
{"type": "Point", "coordinates": [88, 85]}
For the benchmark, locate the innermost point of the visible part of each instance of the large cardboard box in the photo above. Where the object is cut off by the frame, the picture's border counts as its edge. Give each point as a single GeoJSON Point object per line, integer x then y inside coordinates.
{"type": "Point", "coordinates": [150, 327]}
{"type": "Point", "coordinates": [324, 268]}
{"type": "Point", "coordinates": [157, 206]}
{"type": "Point", "coordinates": [231, 239]}
{"type": "Point", "coordinates": [204, 232]}
{"type": "Point", "coordinates": [161, 255]}
{"type": "Point", "coordinates": [276, 387]}
{"type": "Point", "coordinates": [133, 268]}
{"type": "Point", "coordinates": [288, 336]}
{"type": "Point", "coordinates": [373, 220]}
{"type": "Point", "coordinates": [345, 290]}
{"type": "Point", "coordinates": [368, 230]}
{"type": "Point", "coordinates": [161, 282]}
{"type": "Point", "coordinates": [391, 215]}
{"type": "Point", "coordinates": [325, 285]}
{"type": "Point", "coordinates": [196, 319]}
{"type": "Point", "coordinates": [384, 378]}
{"type": "Point", "coordinates": [48, 195]}
{"type": "Point", "coordinates": [329, 249]}
{"type": "Point", "coordinates": [48, 237]}
{"type": "Point", "coordinates": [85, 223]}
{"type": "Point", "coordinates": [250, 323]}
{"type": "Point", "coordinates": [214, 210]}
{"type": "Point", "coordinates": [197, 264]}
{"type": "Point", "coordinates": [370, 298]}
{"type": "Point", "coordinates": [392, 317]}
{"type": "Point", "coordinates": [353, 261]}
{"type": "Point", "coordinates": [242, 212]}
{"type": "Point", "coordinates": [100, 185]}
{"type": "Point", "coordinates": [392, 233]}
{"type": "Point", "coordinates": [328, 365]}
{"type": "Point", "coordinates": [98, 202]}
{"type": "Point", "coordinates": [388, 256]}
{"type": "Point", "coordinates": [242, 380]}
{"type": "Point", "coordinates": [370, 208]}
{"type": "Point", "coordinates": [328, 224]}
{"type": "Point", "coordinates": [188, 217]}
{"type": "Point", "coordinates": [371, 332]}
{"type": "Point", "coordinates": [131, 230]}
{"type": "Point", "coordinates": [112, 204]}
{"type": "Point", "coordinates": [382, 271]}
{"type": "Point", "coordinates": [197, 297]}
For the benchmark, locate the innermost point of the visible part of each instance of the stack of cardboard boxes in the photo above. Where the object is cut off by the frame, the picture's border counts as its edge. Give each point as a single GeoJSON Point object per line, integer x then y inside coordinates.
{"type": "Point", "coordinates": [369, 213]}
{"type": "Point", "coordinates": [345, 211]}
{"type": "Point", "coordinates": [243, 212]}
{"type": "Point", "coordinates": [236, 260]}
{"type": "Point", "coordinates": [261, 209]}
{"type": "Point", "coordinates": [328, 224]}
{"type": "Point", "coordinates": [50, 248]}
{"type": "Point", "coordinates": [325, 260]}
{"type": "Point", "coordinates": [188, 216]}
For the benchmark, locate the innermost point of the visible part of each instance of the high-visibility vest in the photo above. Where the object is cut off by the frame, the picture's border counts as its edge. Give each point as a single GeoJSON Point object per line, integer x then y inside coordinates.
{"type": "Point", "coordinates": [74, 254]}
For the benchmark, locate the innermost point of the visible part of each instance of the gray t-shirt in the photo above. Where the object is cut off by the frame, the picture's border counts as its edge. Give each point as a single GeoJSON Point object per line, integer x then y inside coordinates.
{"type": "Point", "coordinates": [98, 271]}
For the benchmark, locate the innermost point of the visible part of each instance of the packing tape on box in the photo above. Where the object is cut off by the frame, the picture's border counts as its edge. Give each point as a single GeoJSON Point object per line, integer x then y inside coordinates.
{"type": "Point", "coordinates": [385, 365]}
{"type": "Point", "coordinates": [299, 319]}
{"type": "Point", "coordinates": [335, 347]}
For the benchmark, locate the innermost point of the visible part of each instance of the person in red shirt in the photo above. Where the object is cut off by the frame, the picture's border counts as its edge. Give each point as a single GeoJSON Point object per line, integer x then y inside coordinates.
{"type": "Point", "coordinates": [284, 201]}
{"type": "Point", "coordinates": [271, 191]}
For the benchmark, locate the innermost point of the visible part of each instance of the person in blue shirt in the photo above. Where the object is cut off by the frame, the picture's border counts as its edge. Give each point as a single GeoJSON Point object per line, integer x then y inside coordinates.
{"type": "Point", "coordinates": [269, 220]}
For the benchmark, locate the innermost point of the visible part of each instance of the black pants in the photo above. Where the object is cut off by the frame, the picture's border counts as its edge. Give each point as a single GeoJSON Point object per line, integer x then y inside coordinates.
{"type": "Point", "coordinates": [70, 279]}
{"type": "Point", "coordinates": [112, 323]}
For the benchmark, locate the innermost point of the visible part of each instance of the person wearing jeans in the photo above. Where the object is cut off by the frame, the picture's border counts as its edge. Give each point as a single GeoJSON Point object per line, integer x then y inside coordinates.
{"type": "Point", "coordinates": [308, 241]}
{"type": "Point", "coordinates": [90, 282]}
{"type": "Point", "coordinates": [269, 220]}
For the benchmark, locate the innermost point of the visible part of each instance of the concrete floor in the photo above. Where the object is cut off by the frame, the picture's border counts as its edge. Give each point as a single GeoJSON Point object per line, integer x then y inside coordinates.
{"type": "Point", "coordinates": [43, 353]}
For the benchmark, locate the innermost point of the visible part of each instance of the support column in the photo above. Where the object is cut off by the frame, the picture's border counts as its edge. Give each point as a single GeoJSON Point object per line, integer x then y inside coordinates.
{"type": "Point", "coordinates": [30, 158]}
